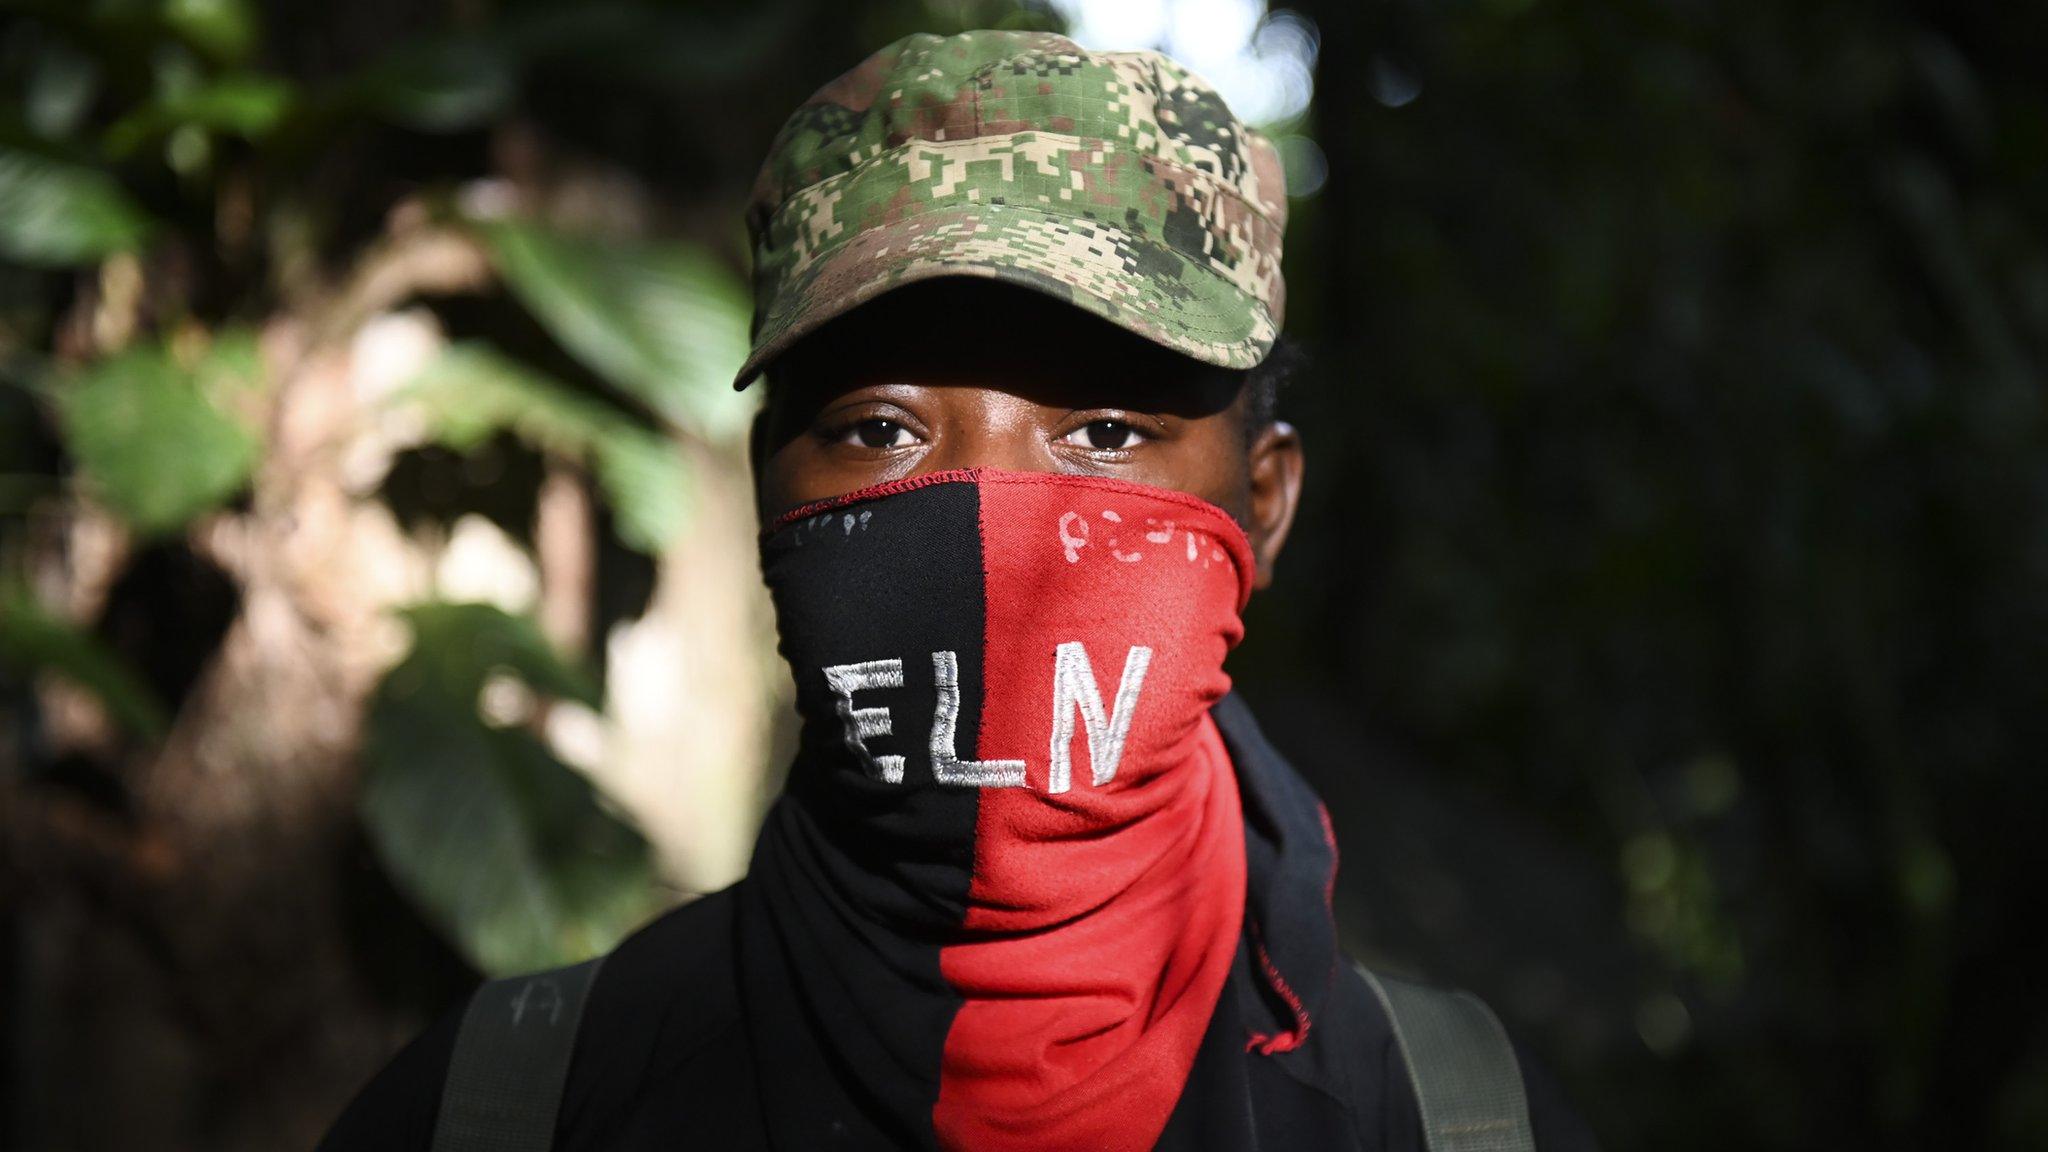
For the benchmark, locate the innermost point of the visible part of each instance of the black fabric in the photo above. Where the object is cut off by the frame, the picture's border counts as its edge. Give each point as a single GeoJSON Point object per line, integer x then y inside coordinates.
{"type": "Point", "coordinates": [510, 1061]}
{"type": "Point", "coordinates": [858, 881]}
{"type": "Point", "coordinates": [671, 1056]}
{"type": "Point", "coordinates": [1291, 863]}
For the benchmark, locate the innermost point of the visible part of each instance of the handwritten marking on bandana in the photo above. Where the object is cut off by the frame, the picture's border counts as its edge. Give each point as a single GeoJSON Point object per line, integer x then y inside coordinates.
{"type": "Point", "coordinates": [1071, 539]}
{"type": "Point", "coordinates": [1075, 528]}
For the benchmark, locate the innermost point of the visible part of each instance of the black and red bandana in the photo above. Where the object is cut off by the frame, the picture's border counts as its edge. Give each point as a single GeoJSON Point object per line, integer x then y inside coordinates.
{"type": "Point", "coordinates": [1007, 879]}
{"type": "Point", "coordinates": [929, 952]}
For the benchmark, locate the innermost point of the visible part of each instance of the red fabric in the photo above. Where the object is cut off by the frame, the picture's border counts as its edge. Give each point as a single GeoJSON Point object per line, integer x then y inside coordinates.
{"type": "Point", "coordinates": [1102, 921]}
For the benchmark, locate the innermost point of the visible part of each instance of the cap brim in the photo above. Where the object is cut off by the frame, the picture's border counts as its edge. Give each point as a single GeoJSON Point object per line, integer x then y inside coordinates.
{"type": "Point", "coordinates": [1137, 283]}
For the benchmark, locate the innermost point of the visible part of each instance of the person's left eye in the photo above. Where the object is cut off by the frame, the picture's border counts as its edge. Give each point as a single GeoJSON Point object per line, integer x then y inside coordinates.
{"type": "Point", "coordinates": [877, 433]}
{"type": "Point", "coordinates": [1104, 435]}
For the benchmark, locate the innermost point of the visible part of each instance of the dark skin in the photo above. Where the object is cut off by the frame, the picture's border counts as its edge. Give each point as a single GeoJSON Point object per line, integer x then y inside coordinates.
{"type": "Point", "coordinates": [857, 403]}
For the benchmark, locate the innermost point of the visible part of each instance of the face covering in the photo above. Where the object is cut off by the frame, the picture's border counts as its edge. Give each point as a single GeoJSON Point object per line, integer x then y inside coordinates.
{"type": "Point", "coordinates": [1000, 895]}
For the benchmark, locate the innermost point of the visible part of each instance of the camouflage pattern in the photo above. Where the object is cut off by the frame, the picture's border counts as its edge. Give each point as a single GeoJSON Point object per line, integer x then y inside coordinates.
{"type": "Point", "coordinates": [1117, 181]}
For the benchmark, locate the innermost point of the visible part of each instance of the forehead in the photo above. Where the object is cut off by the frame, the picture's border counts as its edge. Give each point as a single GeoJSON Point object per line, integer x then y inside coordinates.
{"type": "Point", "coordinates": [968, 332]}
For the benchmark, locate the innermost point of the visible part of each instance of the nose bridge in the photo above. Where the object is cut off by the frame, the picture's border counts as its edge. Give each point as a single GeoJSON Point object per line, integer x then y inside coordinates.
{"type": "Point", "coordinates": [989, 429]}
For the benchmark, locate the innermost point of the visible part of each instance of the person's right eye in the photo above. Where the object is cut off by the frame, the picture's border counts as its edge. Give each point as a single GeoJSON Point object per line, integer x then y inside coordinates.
{"type": "Point", "coordinates": [877, 433]}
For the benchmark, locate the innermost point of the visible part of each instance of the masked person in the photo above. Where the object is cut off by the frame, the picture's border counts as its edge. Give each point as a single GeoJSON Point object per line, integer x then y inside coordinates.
{"type": "Point", "coordinates": [1037, 881]}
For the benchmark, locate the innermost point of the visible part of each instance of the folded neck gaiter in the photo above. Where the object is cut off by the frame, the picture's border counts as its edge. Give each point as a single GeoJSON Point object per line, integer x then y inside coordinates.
{"type": "Point", "coordinates": [1000, 895]}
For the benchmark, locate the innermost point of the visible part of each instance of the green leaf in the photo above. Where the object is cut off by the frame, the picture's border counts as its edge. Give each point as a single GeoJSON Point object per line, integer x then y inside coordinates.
{"type": "Point", "coordinates": [511, 852]}
{"type": "Point", "coordinates": [646, 482]}
{"type": "Point", "coordinates": [231, 371]}
{"type": "Point", "coordinates": [458, 647]}
{"type": "Point", "coordinates": [226, 30]}
{"type": "Point", "coordinates": [472, 391]}
{"type": "Point", "coordinates": [33, 641]}
{"type": "Point", "coordinates": [152, 440]}
{"type": "Point", "coordinates": [62, 84]}
{"type": "Point", "coordinates": [663, 322]}
{"type": "Point", "coordinates": [55, 213]}
{"type": "Point", "coordinates": [248, 106]}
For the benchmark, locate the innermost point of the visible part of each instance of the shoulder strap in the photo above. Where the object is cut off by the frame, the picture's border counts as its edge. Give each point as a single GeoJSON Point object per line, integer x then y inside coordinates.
{"type": "Point", "coordinates": [511, 1060]}
{"type": "Point", "coordinates": [1466, 1079]}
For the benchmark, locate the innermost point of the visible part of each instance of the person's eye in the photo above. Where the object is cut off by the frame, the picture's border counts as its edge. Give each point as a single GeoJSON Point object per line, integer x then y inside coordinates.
{"type": "Point", "coordinates": [1104, 435]}
{"type": "Point", "coordinates": [877, 433]}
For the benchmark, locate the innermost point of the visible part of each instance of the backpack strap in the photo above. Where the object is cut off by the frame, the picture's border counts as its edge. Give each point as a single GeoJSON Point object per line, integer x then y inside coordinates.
{"type": "Point", "coordinates": [511, 1060]}
{"type": "Point", "coordinates": [1467, 1082]}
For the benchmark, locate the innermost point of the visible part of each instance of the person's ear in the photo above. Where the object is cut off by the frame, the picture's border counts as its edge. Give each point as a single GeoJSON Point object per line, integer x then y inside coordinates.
{"type": "Point", "coordinates": [1274, 494]}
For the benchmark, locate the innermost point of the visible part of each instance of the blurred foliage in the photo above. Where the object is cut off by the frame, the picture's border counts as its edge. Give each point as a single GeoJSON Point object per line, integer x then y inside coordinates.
{"type": "Point", "coordinates": [156, 440]}
{"type": "Point", "coordinates": [1680, 440]}
{"type": "Point", "coordinates": [179, 184]}
{"type": "Point", "coordinates": [480, 822]}
{"type": "Point", "coordinates": [56, 213]}
{"type": "Point", "coordinates": [32, 641]}
{"type": "Point", "coordinates": [470, 393]}
{"type": "Point", "coordinates": [665, 324]}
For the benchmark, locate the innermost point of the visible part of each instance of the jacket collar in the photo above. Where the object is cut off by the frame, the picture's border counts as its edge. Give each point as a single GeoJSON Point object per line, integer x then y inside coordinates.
{"type": "Point", "coordinates": [1291, 871]}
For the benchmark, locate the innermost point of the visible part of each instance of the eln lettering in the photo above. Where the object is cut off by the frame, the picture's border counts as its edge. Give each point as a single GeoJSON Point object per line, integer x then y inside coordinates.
{"type": "Point", "coordinates": [1073, 691]}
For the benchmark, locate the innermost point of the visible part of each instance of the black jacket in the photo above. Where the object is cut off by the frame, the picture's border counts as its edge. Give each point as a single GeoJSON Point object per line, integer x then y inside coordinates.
{"type": "Point", "coordinates": [665, 1057]}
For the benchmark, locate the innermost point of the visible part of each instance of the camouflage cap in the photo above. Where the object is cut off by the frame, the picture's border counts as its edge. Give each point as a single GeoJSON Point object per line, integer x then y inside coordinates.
{"type": "Point", "coordinates": [1116, 181]}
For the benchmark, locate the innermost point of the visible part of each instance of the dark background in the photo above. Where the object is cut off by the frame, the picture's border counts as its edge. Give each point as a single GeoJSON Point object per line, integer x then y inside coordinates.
{"type": "Point", "coordinates": [1665, 624]}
